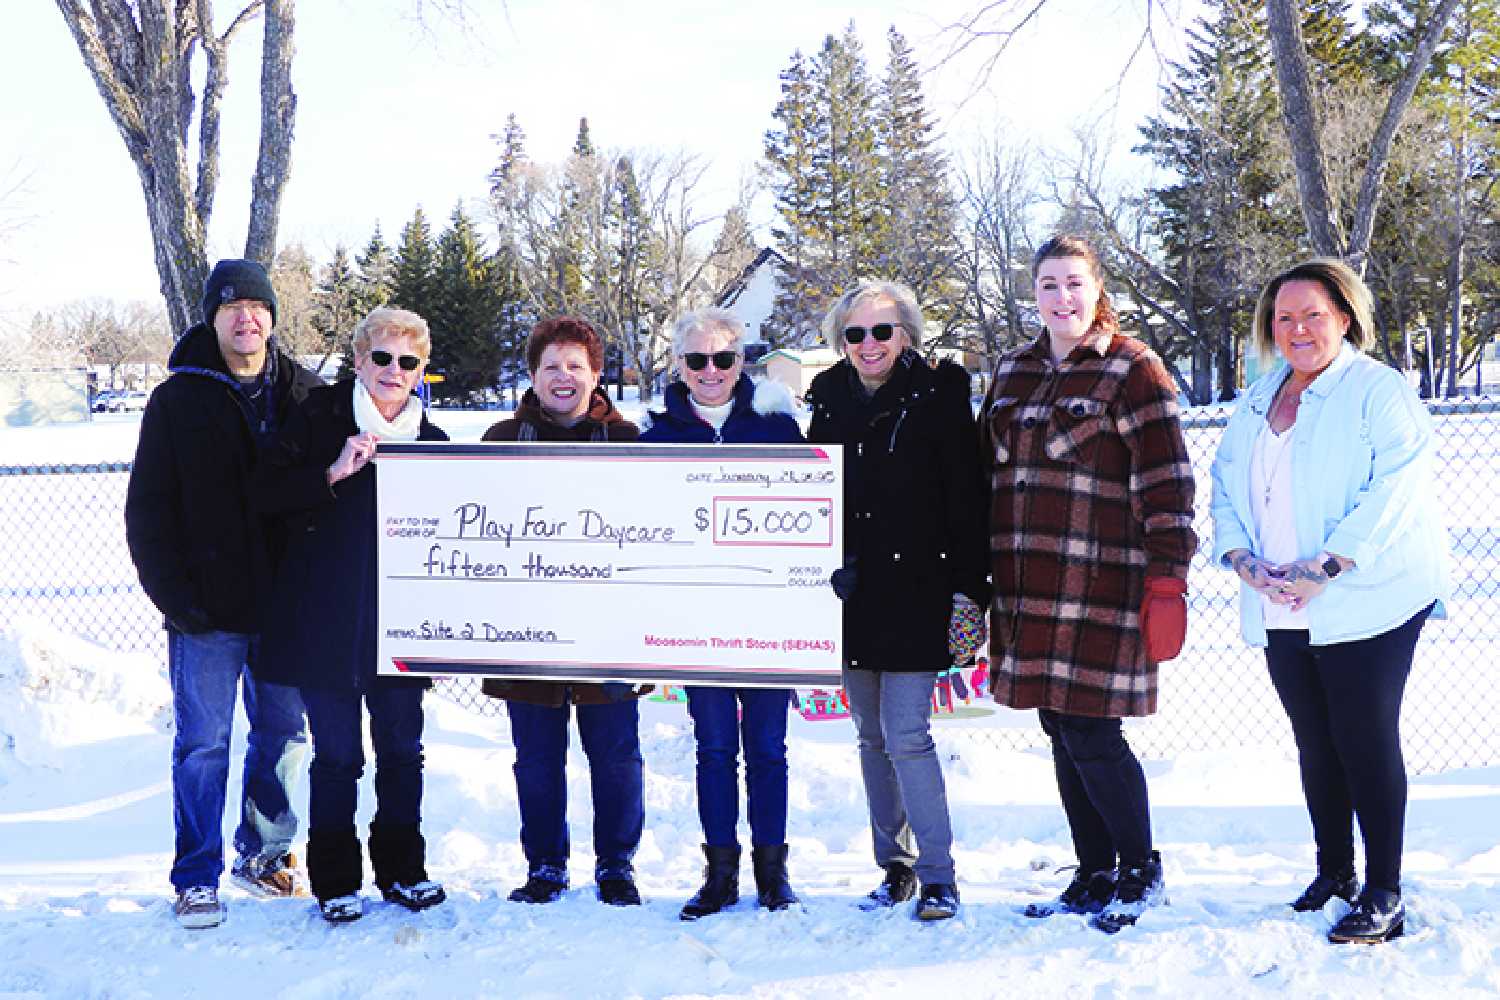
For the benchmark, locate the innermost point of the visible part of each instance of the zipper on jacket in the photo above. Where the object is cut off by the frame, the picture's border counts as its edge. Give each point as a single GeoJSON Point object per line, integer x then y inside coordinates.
{"type": "Point", "coordinates": [896, 430]}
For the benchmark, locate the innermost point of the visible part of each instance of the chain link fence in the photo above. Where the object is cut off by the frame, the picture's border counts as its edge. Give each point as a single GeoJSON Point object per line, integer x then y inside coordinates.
{"type": "Point", "coordinates": [65, 563]}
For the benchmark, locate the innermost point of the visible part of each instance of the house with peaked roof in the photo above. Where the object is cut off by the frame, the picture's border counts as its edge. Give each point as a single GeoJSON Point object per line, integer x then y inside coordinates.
{"type": "Point", "coordinates": [751, 296]}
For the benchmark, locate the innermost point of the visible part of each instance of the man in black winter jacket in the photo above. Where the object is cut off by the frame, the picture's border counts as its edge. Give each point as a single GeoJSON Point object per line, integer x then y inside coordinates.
{"type": "Point", "coordinates": [204, 559]}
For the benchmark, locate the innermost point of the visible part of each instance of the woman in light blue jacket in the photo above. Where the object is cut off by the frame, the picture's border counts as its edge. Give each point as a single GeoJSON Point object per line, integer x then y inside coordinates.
{"type": "Point", "coordinates": [1323, 505]}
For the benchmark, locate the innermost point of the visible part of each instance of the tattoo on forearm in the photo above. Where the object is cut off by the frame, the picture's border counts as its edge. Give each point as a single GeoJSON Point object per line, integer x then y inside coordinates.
{"type": "Point", "coordinates": [1297, 572]}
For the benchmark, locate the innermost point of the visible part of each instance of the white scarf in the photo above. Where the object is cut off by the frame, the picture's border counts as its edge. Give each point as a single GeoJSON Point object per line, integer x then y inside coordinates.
{"type": "Point", "coordinates": [405, 427]}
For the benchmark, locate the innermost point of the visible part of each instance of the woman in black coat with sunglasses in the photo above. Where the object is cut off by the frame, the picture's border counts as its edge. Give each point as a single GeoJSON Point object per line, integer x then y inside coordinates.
{"type": "Point", "coordinates": [915, 554]}
{"type": "Point", "coordinates": [318, 482]}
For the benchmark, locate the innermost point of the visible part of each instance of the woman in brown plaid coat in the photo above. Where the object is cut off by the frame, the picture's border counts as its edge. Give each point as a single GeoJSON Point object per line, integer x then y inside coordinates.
{"type": "Point", "coordinates": [1090, 536]}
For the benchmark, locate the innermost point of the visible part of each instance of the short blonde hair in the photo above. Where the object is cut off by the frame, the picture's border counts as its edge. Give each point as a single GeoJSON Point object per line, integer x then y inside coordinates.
{"type": "Point", "coordinates": [1350, 295]}
{"type": "Point", "coordinates": [386, 320]}
{"type": "Point", "coordinates": [908, 312]}
{"type": "Point", "coordinates": [708, 321]}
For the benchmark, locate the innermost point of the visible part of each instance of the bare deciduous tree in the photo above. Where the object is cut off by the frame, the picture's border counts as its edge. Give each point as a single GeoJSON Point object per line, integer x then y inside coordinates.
{"type": "Point", "coordinates": [13, 182]}
{"type": "Point", "coordinates": [1320, 211]}
{"type": "Point", "coordinates": [146, 58]}
{"type": "Point", "coordinates": [295, 280]}
{"type": "Point", "coordinates": [629, 264]}
{"type": "Point", "coordinates": [999, 22]}
{"type": "Point", "coordinates": [100, 333]}
{"type": "Point", "coordinates": [1001, 191]}
{"type": "Point", "coordinates": [142, 58]}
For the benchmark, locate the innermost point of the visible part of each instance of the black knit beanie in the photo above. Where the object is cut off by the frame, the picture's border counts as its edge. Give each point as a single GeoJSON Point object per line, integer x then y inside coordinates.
{"type": "Point", "coordinates": [237, 279]}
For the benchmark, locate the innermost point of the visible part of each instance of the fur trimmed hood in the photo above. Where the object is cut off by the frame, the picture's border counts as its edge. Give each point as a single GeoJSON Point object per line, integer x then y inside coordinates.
{"type": "Point", "coordinates": [763, 412]}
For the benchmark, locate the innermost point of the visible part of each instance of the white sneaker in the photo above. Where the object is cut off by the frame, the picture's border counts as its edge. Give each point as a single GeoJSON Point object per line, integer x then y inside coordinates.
{"type": "Point", "coordinates": [198, 906]}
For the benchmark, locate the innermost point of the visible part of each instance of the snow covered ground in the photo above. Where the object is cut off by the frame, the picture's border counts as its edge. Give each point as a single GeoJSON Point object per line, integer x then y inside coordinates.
{"type": "Point", "coordinates": [86, 836]}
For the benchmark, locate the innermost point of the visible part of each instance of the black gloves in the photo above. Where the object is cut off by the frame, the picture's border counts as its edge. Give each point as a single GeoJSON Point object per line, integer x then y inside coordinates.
{"type": "Point", "coordinates": [843, 580]}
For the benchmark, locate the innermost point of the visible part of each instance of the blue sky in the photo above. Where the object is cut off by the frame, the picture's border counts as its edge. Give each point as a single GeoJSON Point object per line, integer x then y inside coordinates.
{"type": "Point", "coordinates": [390, 115]}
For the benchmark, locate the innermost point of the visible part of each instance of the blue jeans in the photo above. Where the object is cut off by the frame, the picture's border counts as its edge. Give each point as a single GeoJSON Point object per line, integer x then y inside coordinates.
{"type": "Point", "coordinates": [339, 755]}
{"type": "Point", "coordinates": [721, 718]}
{"type": "Point", "coordinates": [205, 671]}
{"type": "Point", "coordinates": [904, 788]}
{"type": "Point", "coordinates": [611, 741]}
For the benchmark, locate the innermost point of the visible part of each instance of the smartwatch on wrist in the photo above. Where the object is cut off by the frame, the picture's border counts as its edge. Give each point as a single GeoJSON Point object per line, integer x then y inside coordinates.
{"type": "Point", "coordinates": [1332, 567]}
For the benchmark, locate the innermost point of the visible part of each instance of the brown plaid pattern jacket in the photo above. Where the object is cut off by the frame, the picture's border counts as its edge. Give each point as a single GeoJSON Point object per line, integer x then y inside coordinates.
{"type": "Point", "coordinates": [1091, 491]}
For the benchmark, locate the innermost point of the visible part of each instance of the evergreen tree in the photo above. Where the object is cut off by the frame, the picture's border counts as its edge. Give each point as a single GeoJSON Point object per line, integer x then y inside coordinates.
{"type": "Point", "coordinates": [412, 284]}
{"type": "Point", "coordinates": [464, 312]}
{"type": "Point", "coordinates": [862, 190]}
{"type": "Point", "coordinates": [583, 145]}
{"type": "Point", "coordinates": [1217, 218]}
{"type": "Point", "coordinates": [513, 321]}
{"type": "Point", "coordinates": [337, 306]}
{"type": "Point", "coordinates": [919, 213]}
{"type": "Point", "coordinates": [631, 232]}
{"type": "Point", "coordinates": [790, 151]}
{"type": "Point", "coordinates": [578, 217]}
{"type": "Point", "coordinates": [507, 196]}
{"type": "Point", "coordinates": [849, 208]}
{"type": "Point", "coordinates": [1340, 53]}
{"type": "Point", "coordinates": [1451, 269]}
{"type": "Point", "coordinates": [377, 273]}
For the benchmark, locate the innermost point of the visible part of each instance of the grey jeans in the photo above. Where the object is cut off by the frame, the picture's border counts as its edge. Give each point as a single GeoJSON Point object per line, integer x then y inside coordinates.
{"type": "Point", "coordinates": [903, 779]}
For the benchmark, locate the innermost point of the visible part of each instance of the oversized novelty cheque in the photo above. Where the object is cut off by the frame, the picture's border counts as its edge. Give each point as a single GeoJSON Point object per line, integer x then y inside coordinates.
{"type": "Point", "coordinates": [677, 564]}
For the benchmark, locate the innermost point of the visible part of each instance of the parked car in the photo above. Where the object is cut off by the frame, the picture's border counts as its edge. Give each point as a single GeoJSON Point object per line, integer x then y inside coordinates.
{"type": "Point", "coordinates": [132, 401]}
{"type": "Point", "coordinates": [120, 401]}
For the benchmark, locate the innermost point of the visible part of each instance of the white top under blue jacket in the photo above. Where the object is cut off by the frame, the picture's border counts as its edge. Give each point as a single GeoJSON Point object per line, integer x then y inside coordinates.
{"type": "Point", "coordinates": [1362, 487]}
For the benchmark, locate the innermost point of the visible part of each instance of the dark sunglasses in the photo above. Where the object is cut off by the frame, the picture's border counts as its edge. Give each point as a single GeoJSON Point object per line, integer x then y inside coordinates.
{"type": "Point", "coordinates": [880, 331]}
{"type": "Point", "coordinates": [723, 360]}
{"type": "Point", "coordinates": [408, 362]}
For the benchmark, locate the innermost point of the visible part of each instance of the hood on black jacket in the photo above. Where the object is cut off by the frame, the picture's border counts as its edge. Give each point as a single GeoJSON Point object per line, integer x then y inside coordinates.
{"type": "Point", "coordinates": [198, 353]}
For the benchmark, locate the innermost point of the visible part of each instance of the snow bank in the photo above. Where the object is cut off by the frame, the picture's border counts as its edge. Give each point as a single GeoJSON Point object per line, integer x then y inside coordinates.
{"type": "Point", "coordinates": [59, 691]}
{"type": "Point", "coordinates": [86, 837]}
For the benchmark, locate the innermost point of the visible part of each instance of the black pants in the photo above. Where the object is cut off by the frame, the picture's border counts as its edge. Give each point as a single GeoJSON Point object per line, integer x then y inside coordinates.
{"type": "Point", "coordinates": [1344, 702]}
{"type": "Point", "coordinates": [1103, 790]}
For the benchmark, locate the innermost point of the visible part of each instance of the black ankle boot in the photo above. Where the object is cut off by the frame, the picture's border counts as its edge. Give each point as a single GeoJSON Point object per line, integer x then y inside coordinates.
{"type": "Point", "coordinates": [772, 889]}
{"type": "Point", "coordinates": [721, 883]}
{"type": "Point", "coordinates": [899, 885]}
{"type": "Point", "coordinates": [335, 865]}
{"type": "Point", "coordinates": [1377, 915]}
{"type": "Point", "coordinates": [398, 854]}
{"type": "Point", "coordinates": [1323, 888]}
